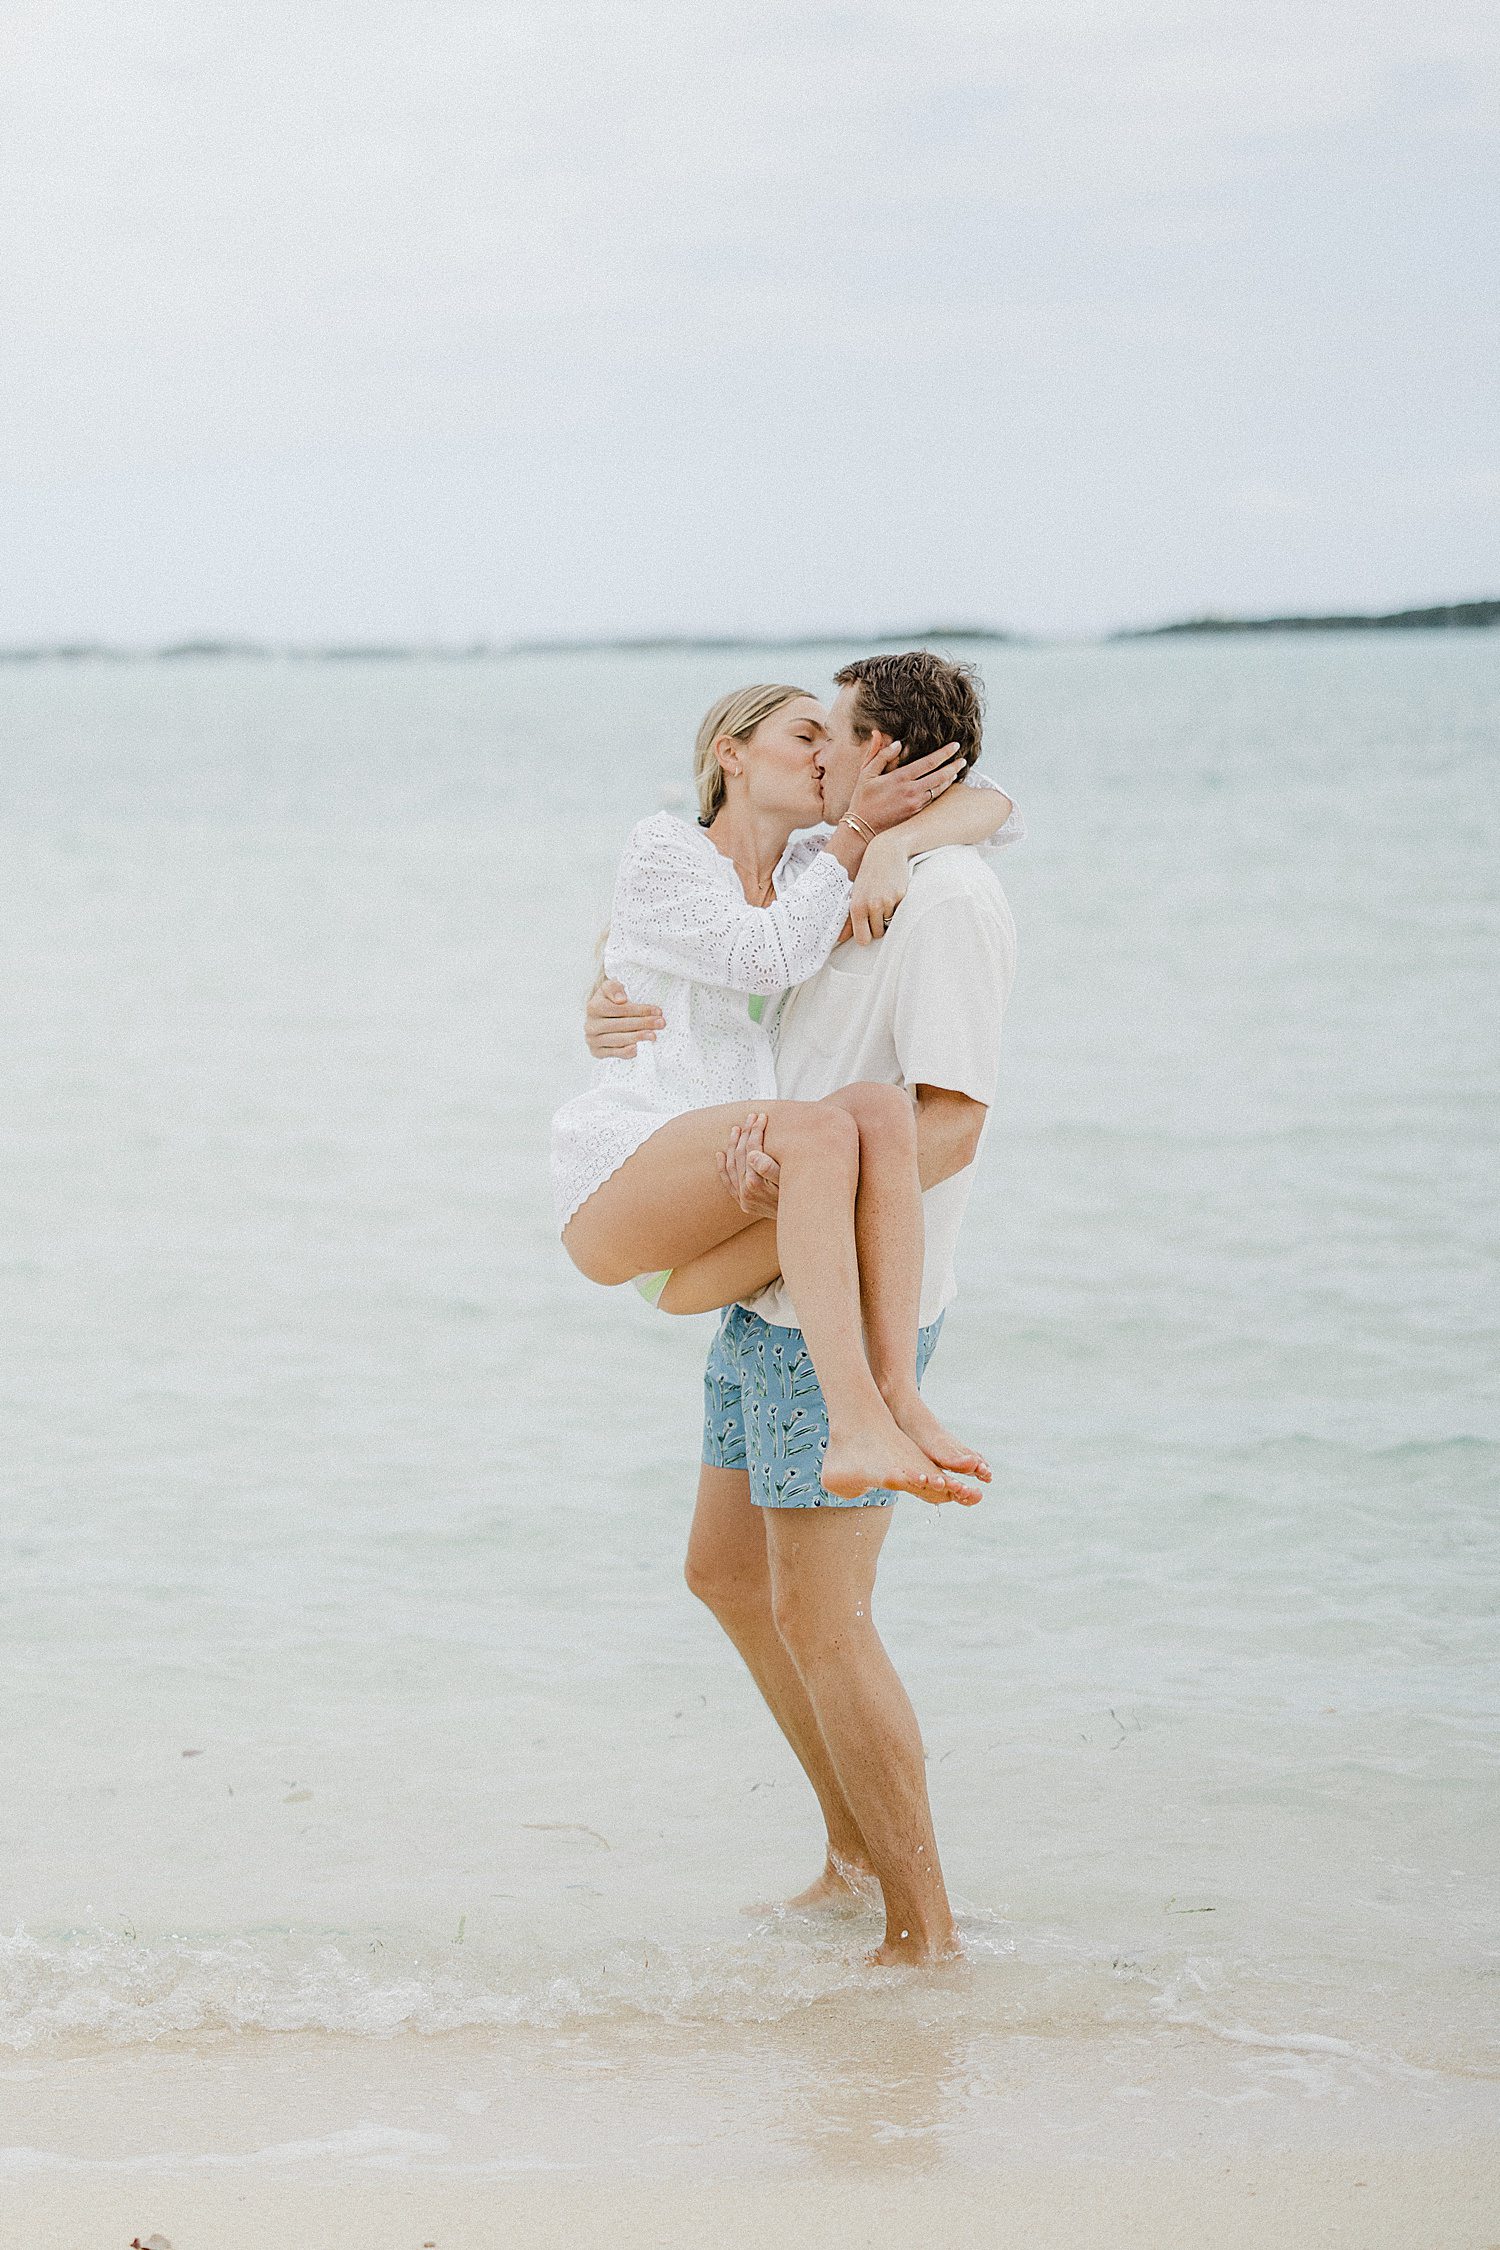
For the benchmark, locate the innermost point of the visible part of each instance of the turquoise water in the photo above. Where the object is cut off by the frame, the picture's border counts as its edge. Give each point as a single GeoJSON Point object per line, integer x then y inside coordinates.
{"type": "Point", "coordinates": [351, 1680]}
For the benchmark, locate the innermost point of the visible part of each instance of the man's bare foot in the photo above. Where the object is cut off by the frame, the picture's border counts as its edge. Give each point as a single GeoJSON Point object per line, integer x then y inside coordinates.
{"type": "Point", "coordinates": [924, 1429]}
{"type": "Point", "coordinates": [843, 1886]}
{"type": "Point", "coordinates": [902, 1949]}
{"type": "Point", "coordinates": [862, 1459]}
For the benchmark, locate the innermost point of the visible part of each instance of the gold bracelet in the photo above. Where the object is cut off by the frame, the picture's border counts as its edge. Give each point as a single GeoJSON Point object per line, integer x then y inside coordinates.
{"type": "Point", "coordinates": [851, 821]}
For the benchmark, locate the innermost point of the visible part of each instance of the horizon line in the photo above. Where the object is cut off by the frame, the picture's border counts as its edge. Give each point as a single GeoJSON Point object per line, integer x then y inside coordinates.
{"type": "Point", "coordinates": [1441, 616]}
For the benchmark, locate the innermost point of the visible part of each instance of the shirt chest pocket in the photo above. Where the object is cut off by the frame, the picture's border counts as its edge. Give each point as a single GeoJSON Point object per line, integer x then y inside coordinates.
{"type": "Point", "coordinates": [833, 1015]}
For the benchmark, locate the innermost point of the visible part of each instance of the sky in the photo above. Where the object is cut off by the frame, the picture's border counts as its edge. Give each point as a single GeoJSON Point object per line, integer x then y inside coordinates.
{"type": "Point", "coordinates": [461, 322]}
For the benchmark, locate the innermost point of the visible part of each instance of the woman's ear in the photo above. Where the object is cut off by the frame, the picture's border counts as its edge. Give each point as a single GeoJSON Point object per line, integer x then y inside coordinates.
{"type": "Point", "coordinates": [727, 751]}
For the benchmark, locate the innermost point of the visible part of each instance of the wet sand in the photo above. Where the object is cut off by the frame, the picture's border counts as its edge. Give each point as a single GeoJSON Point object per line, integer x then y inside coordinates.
{"type": "Point", "coordinates": [1352, 2202]}
{"type": "Point", "coordinates": [461, 2142]}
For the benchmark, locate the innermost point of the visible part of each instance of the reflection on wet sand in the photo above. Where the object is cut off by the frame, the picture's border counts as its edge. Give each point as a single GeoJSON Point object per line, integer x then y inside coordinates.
{"type": "Point", "coordinates": [871, 2085]}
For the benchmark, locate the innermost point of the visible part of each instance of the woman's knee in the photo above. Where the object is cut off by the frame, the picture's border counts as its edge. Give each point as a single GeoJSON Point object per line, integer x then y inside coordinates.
{"type": "Point", "coordinates": [591, 1255]}
{"type": "Point", "coordinates": [886, 1112]}
{"type": "Point", "coordinates": [821, 1129]}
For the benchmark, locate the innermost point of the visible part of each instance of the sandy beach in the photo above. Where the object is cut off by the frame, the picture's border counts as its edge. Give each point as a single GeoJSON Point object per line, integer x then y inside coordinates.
{"type": "Point", "coordinates": [463, 2142]}
{"type": "Point", "coordinates": [1352, 2202]}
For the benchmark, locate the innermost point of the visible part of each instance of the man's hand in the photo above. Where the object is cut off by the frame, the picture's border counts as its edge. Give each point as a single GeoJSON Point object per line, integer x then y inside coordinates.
{"type": "Point", "coordinates": [752, 1177]}
{"type": "Point", "coordinates": [613, 1025]}
{"type": "Point", "coordinates": [879, 888]}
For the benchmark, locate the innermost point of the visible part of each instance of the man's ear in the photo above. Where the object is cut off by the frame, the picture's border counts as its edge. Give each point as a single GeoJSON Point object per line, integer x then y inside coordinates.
{"type": "Point", "coordinates": [877, 742]}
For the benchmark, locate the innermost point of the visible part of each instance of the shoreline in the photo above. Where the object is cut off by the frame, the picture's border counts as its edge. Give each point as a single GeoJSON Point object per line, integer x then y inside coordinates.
{"type": "Point", "coordinates": [462, 2140]}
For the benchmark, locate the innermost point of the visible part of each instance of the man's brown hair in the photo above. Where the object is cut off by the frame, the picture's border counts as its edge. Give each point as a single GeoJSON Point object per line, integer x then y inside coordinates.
{"type": "Point", "coordinates": [921, 699]}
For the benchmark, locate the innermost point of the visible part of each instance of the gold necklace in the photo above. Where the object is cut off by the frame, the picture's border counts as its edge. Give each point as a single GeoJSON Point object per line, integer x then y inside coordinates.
{"type": "Point", "coordinates": [768, 887]}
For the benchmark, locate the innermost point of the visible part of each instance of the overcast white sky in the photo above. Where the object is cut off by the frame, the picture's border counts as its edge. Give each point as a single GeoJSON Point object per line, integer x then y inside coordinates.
{"type": "Point", "coordinates": [470, 320]}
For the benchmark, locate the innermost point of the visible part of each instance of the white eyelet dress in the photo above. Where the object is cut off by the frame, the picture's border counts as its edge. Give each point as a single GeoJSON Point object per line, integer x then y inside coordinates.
{"type": "Point", "coordinates": [682, 935]}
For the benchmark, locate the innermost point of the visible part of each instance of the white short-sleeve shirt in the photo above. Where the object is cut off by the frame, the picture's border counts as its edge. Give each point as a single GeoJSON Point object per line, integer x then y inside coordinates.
{"type": "Point", "coordinates": [922, 1006]}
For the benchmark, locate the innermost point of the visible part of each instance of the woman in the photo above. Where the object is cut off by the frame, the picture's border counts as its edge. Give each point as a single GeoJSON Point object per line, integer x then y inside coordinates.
{"type": "Point", "coordinates": [711, 921]}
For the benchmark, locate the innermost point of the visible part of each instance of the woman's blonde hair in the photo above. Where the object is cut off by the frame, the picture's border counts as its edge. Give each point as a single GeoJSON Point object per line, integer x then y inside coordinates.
{"type": "Point", "coordinates": [738, 715]}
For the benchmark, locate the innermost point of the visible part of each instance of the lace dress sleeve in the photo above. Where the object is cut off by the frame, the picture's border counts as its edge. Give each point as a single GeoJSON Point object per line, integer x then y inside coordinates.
{"type": "Point", "coordinates": [1015, 827]}
{"type": "Point", "coordinates": [674, 912]}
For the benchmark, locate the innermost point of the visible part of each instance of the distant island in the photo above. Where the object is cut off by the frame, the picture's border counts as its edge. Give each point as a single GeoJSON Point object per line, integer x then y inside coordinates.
{"type": "Point", "coordinates": [396, 652]}
{"type": "Point", "coordinates": [1448, 616]}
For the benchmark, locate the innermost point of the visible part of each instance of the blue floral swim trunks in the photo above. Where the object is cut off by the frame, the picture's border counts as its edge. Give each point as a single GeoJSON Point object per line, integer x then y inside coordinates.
{"type": "Point", "coordinates": [763, 1411]}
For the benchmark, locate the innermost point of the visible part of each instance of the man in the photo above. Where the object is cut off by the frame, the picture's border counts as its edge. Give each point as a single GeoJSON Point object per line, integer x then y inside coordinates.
{"type": "Point", "coordinates": [788, 1576]}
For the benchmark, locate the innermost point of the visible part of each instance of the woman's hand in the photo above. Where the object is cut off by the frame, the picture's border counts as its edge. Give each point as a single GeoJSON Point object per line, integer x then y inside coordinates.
{"type": "Point", "coordinates": [886, 794]}
{"type": "Point", "coordinates": [879, 888]}
{"type": "Point", "coordinates": [613, 1025]}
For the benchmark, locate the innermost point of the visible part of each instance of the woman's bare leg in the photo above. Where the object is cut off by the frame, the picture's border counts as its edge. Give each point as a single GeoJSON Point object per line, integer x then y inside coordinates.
{"type": "Point", "coordinates": [667, 1204]}
{"type": "Point", "coordinates": [739, 1268]}
{"type": "Point", "coordinates": [891, 1244]}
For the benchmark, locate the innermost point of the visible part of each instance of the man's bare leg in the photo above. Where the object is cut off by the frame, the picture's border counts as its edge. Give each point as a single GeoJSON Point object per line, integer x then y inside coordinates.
{"type": "Point", "coordinates": [728, 1570]}
{"type": "Point", "coordinates": [822, 1581]}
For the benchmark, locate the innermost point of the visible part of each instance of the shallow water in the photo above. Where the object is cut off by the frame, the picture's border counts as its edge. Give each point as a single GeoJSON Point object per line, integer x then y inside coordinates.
{"type": "Point", "coordinates": [352, 1684]}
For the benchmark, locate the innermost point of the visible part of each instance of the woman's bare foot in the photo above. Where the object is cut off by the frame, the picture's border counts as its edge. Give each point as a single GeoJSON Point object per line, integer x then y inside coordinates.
{"type": "Point", "coordinates": [864, 1458]}
{"type": "Point", "coordinates": [924, 1429]}
{"type": "Point", "coordinates": [843, 1885]}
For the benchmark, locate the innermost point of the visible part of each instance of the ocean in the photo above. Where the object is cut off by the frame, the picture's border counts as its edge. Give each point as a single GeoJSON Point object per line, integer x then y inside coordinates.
{"type": "Point", "coordinates": [353, 1690]}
